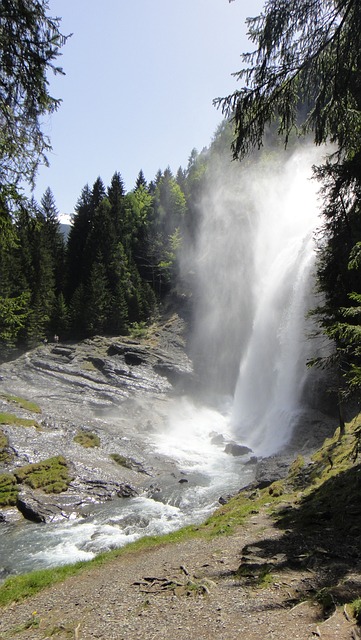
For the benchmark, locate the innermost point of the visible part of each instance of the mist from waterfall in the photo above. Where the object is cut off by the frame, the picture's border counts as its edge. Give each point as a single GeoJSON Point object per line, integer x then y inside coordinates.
{"type": "Point", "coordinates": [254, 264]}
{"type": "Point", "coordinates": [252, 273]}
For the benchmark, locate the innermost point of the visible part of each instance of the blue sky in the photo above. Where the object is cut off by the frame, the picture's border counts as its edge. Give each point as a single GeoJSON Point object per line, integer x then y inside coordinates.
{"type": "Point", "coordinates": [140, 79]}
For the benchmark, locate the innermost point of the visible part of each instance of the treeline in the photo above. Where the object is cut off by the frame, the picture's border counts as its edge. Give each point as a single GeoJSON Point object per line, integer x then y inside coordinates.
{"type": "Point", "coordinates": [113, 269]}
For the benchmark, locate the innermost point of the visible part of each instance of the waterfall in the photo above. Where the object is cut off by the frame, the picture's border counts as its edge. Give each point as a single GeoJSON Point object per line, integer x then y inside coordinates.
{"type": "Point", "coordinates": [252, 269]}
{"type": "Point", "coordinates": [255, 269]}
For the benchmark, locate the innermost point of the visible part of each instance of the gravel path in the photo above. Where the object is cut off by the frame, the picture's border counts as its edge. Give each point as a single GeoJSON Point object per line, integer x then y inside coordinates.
{"type": "Point", "coordinates": [182, 591]}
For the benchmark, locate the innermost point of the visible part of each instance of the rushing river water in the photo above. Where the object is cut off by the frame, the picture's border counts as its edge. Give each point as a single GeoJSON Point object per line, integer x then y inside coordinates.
{"type": "Point", "coordinates": [207, 473]}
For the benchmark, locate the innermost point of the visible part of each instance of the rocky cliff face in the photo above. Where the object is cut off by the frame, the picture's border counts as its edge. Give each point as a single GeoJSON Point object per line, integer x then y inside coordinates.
{"type": "Point", "coordinates": [115, 389]}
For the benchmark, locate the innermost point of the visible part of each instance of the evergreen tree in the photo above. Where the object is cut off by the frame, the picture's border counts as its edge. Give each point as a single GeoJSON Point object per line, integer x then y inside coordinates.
{"type": "Point", "coordinates": [14, 313]}
{"type": "Point", "coordinates": [77, 311]}
{"type": "Point", "coordinates": [60, 320]}
{"type": "Point", "coordinates": [98, 300]}
{"type": "Point", "coordinates": [141, 206]}
{"type": "Point", "coordinates": [169, 218]}
{"type": "Point", "coordinates": [140, 181]}
{"type": "Point", "coordinates": [118, 213]}
{"type": "Point", "coordinates": [118, 311]}
{"type": "Point", "coordinates": [54, 238]}
{"type": "Point", "coordinates": [30, 43]}
{"type": "Point", "coordinates": [307, 53]}
{"type": "Point", "coordinates": [77, 239]}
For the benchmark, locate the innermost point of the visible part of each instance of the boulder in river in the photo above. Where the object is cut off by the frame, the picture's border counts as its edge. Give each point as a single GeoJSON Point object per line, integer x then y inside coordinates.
{"type": "Point", "coordinates": [235, 449]}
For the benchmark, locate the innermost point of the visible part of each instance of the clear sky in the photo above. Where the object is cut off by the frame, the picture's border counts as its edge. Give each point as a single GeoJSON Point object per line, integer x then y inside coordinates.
{"type": "Point", "coordinates": [140, 79]}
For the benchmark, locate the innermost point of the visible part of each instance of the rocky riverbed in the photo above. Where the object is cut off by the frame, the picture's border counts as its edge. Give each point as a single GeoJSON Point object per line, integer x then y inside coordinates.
{"type": "Point", "coordinates": [116, 389]}
{"type": "Point", "coordinates": [125, 393]}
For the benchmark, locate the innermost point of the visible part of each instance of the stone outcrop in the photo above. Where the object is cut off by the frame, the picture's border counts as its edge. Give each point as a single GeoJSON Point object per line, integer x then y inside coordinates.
{"type": "Point", "coordinates": [39, 507]}
{"type": "Point", "coordinates": [235, 449]}
{"type": "Point", "coordinates": [114, 388]}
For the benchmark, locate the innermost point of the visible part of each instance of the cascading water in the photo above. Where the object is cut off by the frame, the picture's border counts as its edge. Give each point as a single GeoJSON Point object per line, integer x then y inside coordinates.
{"type": "Point", "coordinates": [272, 370]}
{"type": "Point", "coordinates": [256, 258]}
{"type": "Point", "coordinates": [252, 265]}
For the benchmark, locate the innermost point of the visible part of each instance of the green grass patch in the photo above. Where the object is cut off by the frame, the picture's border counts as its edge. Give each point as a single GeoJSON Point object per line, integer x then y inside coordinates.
{"type": "Point", "coordinates": [87, 439]}
{"type": "Point", "coordinates": [331, 486]}
{"type": "Point", "coordinates": [356, 610]}
{"type": "Point", "coordinates": [25, 404]}
{"type": "Point", "coordinates": [231, 515]}
{"type": "Point", "coordinates": [18, 588]}
{"type": "Point", "coordinates": [5, 455]}
{"type": "Point", "coordinates": [8, 490]}
{"type": "Point", "coordinates": [51, 475]}
{"type": "Point", "coordinates": [121, 460]}
{"type": "Point", "coordinates": [11, 420]}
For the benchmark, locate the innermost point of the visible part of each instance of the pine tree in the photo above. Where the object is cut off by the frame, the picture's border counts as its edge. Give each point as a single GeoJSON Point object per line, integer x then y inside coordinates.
{"type": "Point", "coordinates": [77, 239]}
{"type": "Point", "coordinates": [98, 300]}
{"type": "Point", "coordinates": [60, 320]}
{"type": "Point", "coordinates": [30, 42]}
{"type": "Point", "coordinates": [14, 314]}
{"type": "Point", "coordinates": [307, 55]}
{"type": "Point", "coordinates": [77, 311]}
{"type": "Point", "coordinates": [140, 181]}
{"type": "Point", "coordinates": [96, 233]}
{"type": "Point", "coordinates": [54, 238]}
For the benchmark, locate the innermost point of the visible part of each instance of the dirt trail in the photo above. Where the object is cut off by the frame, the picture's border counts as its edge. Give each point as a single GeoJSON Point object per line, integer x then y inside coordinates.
{"type": "Point", "coordinates": [189, 590]}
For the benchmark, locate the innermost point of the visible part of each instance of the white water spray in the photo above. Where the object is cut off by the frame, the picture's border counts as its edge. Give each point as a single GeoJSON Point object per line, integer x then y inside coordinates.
{"type": "Point", "coordinates": [255, 265]}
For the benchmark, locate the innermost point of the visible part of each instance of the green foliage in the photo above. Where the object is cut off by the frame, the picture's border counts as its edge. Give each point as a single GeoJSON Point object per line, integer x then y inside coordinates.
{"type": "Point", "coordinates": [138, 330]}
{"type": "Point", "coordinates": [60, 318]}
{"type": "Point", "coordinates": [10, 419]}
{"type": "Point", "coordinates": [51, 475]}
{"type": "Point", "coordinates": [121, 460]}
{"type": "Point", "coordinates": [22, 402]}
{"type": "Point", "coordinates": [4, 441]}
{"type": "Point", "coordinates": [98, 300]}
{"type": "Point", "coordinates": [305, 55]}
{"type": "Point", "coordinates": [356, 608]}
{"type": "Point", "coordinates": [8, 490]}
{"type": "Point", "coordinates": [87, 439]}
{"type": "Point", "coordinates": [29, 43]}
{"type": "Point", "coordinates": [14, 313]}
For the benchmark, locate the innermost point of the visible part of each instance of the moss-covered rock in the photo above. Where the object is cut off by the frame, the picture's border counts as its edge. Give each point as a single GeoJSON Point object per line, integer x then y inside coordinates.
{"type": "Point", "coordinates": [121, 460]}
{"type": "Point", "coordinates": [51, 475]}
{"type": "Point", "coordinates": [11, 419]}
{"type": "Point", "coordinates": [87, 439]}
{"type": "Point", "coordinates": [5, 455]}
{"type": "Point", "coordinates": [8, 490]}
{"type": "Point", "coordinates": [22, 402]}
